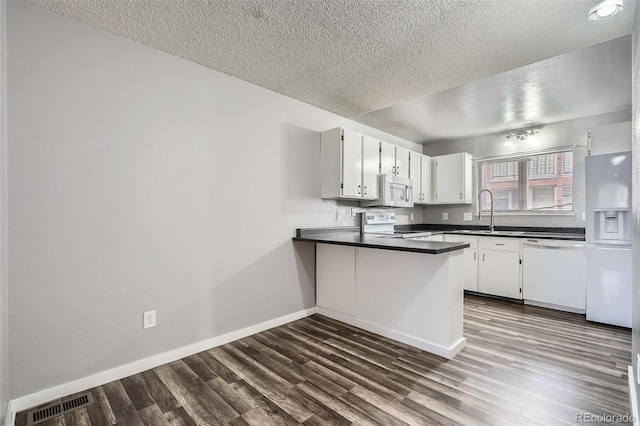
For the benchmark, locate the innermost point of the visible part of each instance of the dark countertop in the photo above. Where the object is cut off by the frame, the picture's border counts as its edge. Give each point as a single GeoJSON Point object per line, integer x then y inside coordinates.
{"type": "Point", "coordinates": [349, 237]}
{"type": "Point", "coordinates": [576, 234]}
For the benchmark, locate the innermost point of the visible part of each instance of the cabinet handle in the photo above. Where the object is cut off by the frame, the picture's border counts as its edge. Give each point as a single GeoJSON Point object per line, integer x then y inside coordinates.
{"type": "Point", "coordinates": [393, 170]}
{"type": "Point", "coordinates": [461, 195]}
{"type": "Point", "coordinates": [499, 244]}
{"type": "Point", "coordinates": [397, 170]}
{"type": "Point", "coordinates": [483, 257]}
{"type": "Point", "coordinates": [474, 255]}
{"type": "Point", "coordinates": [359, 189]}
{"type": "Point", "coordinates": [365, 190]}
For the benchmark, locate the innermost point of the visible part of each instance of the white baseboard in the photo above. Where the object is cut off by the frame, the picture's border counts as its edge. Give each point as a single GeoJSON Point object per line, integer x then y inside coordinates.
{"type": "Point", "coordinates": [555, 307]}
{"type": "Point", "coordinates": [434, 348]}
{"type": "Point", "coordinates": [633, 397]}
{"type": "Point", "coordinates": [38, 398]}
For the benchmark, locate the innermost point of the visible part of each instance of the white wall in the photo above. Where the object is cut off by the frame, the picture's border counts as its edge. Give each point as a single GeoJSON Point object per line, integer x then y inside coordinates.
{"type": "Point", "coordinates": [4, 293]}
{"type": "Point", "coordinates": [564, 133]}
{"type": "Point", "coordinates": [137, 181]}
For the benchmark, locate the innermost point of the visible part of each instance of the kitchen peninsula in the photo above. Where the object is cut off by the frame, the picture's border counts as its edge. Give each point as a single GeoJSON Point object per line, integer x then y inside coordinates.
{"type": "Point", "coordinates": [407, 290]}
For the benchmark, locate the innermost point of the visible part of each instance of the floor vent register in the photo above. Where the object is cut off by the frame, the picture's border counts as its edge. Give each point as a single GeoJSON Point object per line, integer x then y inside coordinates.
{"type": "Point", "coordinates": [59, 408]}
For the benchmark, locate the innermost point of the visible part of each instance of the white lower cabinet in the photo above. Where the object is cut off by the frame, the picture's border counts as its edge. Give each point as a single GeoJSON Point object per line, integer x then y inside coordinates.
{"type": "Point", "coordinates": [499, 267]}
{"type": "Point", "coordinates": [336, 278]}
{"type": "Point", "coordinates": [470, 259]}
{"type": "Point", "coordinates": [491, 265]}
{"type": "Point", "coordinates": [415, 298]}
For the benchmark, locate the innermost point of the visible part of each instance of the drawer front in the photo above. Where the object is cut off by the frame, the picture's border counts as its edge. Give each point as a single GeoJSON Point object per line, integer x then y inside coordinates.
{"type": "Point", "coordinates": [494, 243]}
{"type": "Point", "coordinates": [455, 238]}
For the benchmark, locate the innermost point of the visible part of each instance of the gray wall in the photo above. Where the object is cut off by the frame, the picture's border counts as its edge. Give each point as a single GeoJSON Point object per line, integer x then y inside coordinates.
{"type": "Point", "coordinates": [636, 199]}
{"type": "Point", "coordinates": [138, 181]}
{"type": "Point", "coordinates": [4, 293]}
{"type": "Point", "coordinates": [551, 135]}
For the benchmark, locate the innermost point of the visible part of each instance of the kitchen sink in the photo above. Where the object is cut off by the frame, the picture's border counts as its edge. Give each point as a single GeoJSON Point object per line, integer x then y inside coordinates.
{"type": "Point", "coordinates": [488, 232]}
{"type": "Point", "coordinates": [505, 232]}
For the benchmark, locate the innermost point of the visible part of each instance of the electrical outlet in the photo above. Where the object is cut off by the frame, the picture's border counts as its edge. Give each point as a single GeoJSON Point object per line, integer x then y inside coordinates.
{"type": "Point", "coordinates": [337, 215]}
{"type": "Point", "coordinates": [149, 319]}
{"type": "Point", "coordinates": [584, 216]}
{"type": "Point", "coordinates": [467, 216]}
{"type": "Point", "coordinates": [445, 216]}
{"type": "Point", "coordinates": [354, 211]}
{"type": "Point", "coordinates": [411, 216]}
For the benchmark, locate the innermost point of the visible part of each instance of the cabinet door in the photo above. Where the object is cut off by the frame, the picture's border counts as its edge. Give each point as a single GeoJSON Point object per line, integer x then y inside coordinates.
{"type": "Point", "coordinates": [387, 158]}
{"type": "Point", "coordinates": [370, 167]}
{"type": "Point", "coordinates": [470, 259]}
{"type": "Point", "coordinates": [452, 179]}
{"type": "Point", "coordinates": [425, 183]}
{"type": "Point", "coordinates": [402, 162]}
{"type": "Point", "coordinates": [448, 179]}
{"type": "Point", "coordinates": [336, 278]}
{"type": "Point", "coordinates": [470, 269]}
{"type": "Point", "coordinates": [351, 164]}
{"type": "Point", "coordinates": [499, 273]}
{"type": "Point", "coordinates": [415, 174]}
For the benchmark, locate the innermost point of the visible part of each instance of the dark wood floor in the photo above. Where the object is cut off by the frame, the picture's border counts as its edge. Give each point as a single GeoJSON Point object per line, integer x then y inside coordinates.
{"type": "Point", "coordinates": [521, 366]}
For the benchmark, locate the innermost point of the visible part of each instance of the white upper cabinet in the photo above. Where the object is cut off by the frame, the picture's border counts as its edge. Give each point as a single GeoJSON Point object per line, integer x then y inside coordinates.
{"type": "Point", "coordinates": [452, 179]}
{"type": "Point", "coordinates": [349, 165]}
{"type": "Point", "coordinates": [370, 167]}
{"type": "Point", "coordinates": [352, 159]}
{"type": "Point", "coordinates": [420, 174]}
{"type": "Point", "coordinates": [394, 160]}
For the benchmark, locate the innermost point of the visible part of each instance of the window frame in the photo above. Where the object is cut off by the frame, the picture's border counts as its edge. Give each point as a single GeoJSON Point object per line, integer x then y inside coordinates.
{"type": "Point", "coordinates": [562, 171]}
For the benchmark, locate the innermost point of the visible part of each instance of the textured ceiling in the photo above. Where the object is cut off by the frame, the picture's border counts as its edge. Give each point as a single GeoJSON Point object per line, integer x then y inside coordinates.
{"type": "Point", "coordinates": [590, 81]}
{"type": "Point", "coordinates": [352, 57]}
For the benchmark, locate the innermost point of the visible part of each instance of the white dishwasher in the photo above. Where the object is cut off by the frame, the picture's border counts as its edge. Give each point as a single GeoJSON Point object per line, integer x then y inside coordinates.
{"type": "Point", "coordinates": [553, 274]}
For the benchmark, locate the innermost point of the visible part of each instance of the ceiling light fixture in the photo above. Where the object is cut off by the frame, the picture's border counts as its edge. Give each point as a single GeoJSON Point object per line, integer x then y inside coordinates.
{"type": "Point", "coordinates": [522, 135]}
{"type": "Point", "coordinates": [603, 9]}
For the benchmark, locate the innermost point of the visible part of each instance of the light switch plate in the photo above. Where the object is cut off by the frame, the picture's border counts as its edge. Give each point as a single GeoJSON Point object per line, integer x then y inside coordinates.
{"type": "Point", "coordinates": [445, 216]}
{"type": "Point", "coordinates": [584, 216]}
{"type": "Point", "coordinates": [411, 216]}
{"type": "Point", "coordinates": [467, 216]}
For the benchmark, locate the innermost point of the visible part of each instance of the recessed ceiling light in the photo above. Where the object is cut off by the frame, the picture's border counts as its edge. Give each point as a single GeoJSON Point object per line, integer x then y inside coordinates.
{"type": "Point", "coordinates": [603, 9]}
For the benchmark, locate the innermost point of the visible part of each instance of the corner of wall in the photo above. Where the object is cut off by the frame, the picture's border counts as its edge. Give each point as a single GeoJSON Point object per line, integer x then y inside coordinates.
{"type": "Point", "coordinates": [4, 345]}
{"type": "Point", "coordinates": [634, 387]}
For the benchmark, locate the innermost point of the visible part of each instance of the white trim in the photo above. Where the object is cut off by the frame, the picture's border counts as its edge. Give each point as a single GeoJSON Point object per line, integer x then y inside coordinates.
{"type": "Point", "coordinates": [434, 348]}
{"type": "Point", "coordinates": [555, 307]}
{"type": "Point", "coordinates": [10, 418]}
{"type": "Point", "coordinates": [46, 395]}
{"type": "Point", "coordinates": [633, 397]}
{"type": "Point", "coordinates": [516, 154]}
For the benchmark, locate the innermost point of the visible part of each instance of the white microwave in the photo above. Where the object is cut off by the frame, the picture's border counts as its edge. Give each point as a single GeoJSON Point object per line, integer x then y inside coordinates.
{"type": "Point", "coordinates": [395, 191]}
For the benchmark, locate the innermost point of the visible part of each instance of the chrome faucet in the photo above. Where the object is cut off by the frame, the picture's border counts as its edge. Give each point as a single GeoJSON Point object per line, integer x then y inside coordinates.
{"type": "Point", "coordinates": [480, 207]}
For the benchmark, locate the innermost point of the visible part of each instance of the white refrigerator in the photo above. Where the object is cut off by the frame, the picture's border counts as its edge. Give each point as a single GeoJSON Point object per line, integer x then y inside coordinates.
{"type": "Point", "coordinates": [608, 238]}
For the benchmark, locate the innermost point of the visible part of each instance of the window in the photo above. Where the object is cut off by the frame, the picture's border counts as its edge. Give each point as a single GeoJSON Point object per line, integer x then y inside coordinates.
{"type": "Point", "coordinates": [540, 183]}
{"type": "Point", "coordinates": [504, 170]}
{"type": "Point", "coordinates": [543, 166]}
